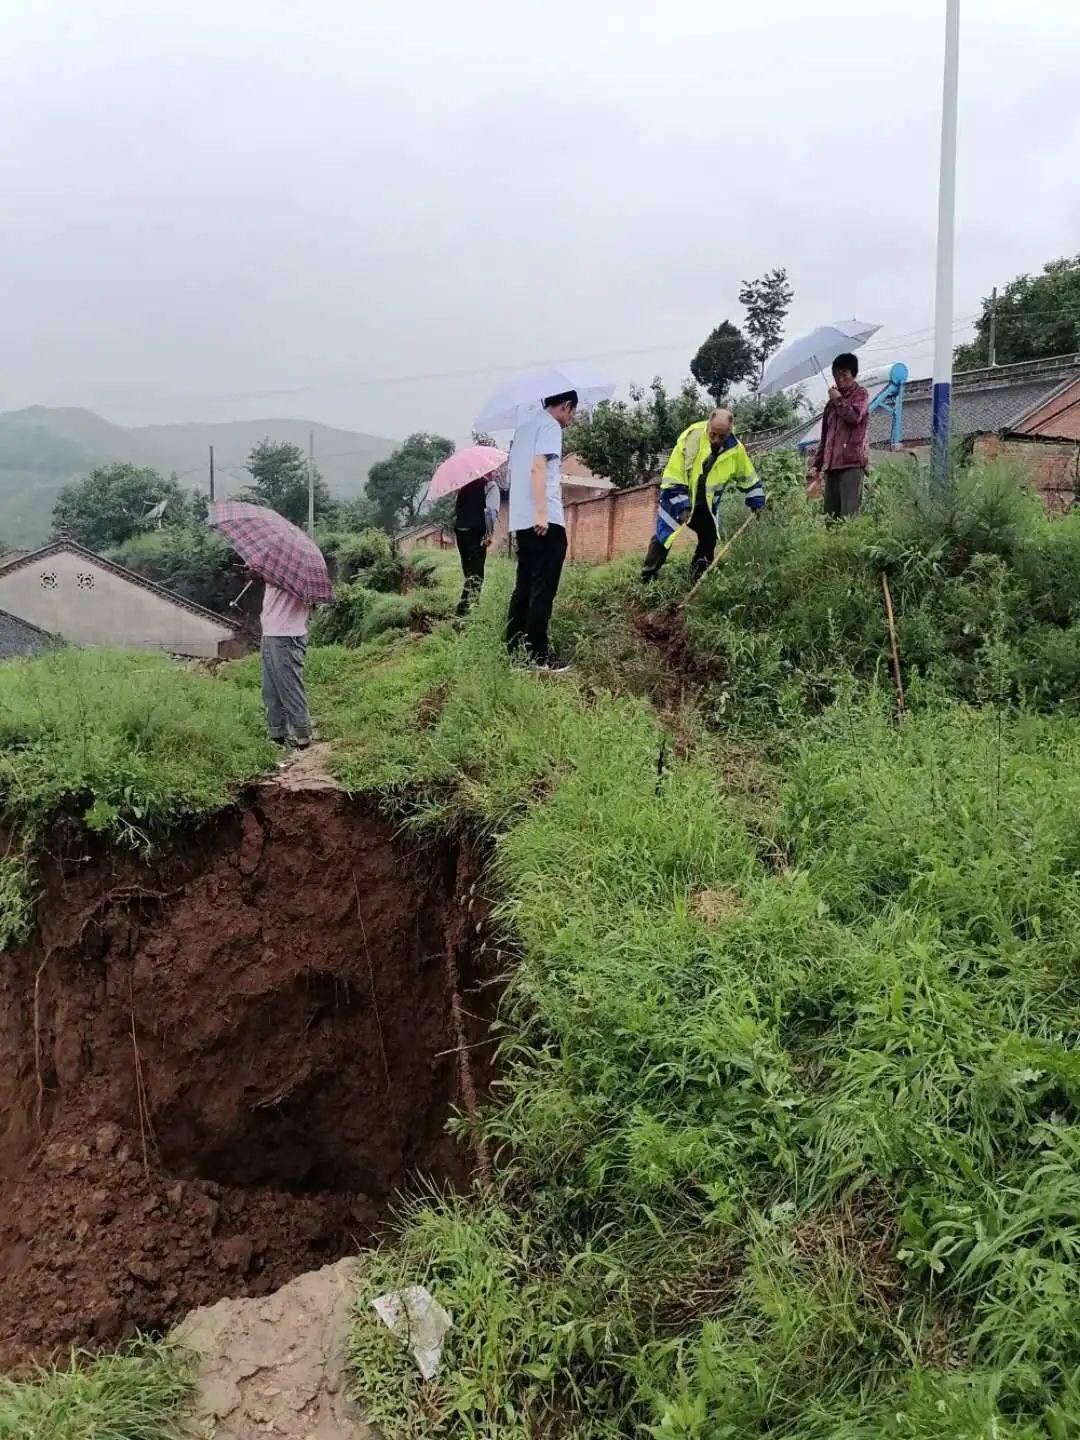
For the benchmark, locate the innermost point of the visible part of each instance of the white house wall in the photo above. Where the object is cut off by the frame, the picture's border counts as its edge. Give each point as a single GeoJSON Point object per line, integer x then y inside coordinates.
{"type": "Point", "coordinates": [69, 595]}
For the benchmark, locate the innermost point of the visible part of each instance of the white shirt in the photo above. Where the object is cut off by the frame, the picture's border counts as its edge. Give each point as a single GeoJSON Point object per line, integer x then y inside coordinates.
{"type": "Point", "coordinates": [539, 435]}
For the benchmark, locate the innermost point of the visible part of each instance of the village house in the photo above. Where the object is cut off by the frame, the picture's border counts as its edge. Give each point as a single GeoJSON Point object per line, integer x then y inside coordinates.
{"type": "Point", "coordinates": [65, 593]}
{"type": "Point", "coordinates": [427, 535]}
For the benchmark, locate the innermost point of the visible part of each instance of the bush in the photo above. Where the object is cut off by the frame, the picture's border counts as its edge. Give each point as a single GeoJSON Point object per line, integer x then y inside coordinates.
{"type": "Point", "coordinates": [348, 553]}
{"type": "Point", "coordinates": [984, 589]}
{"type": "Point", "coordinates": [192, 559]}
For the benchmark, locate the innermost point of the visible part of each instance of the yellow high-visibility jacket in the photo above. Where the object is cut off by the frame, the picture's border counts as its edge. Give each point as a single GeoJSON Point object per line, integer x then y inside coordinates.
{"type": "Point", "coordinates": [683, 470]}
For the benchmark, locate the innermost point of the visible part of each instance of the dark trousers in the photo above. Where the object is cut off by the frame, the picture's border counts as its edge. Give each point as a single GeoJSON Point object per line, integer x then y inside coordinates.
{"type": "Point", "coordinates": [473, 552]}
{"type": "Point", "coordinates": [539, 568]}
{"type": "Point", "coordinates": [843, 493]}
{"type": "Point", "coordinates": [704, 527]}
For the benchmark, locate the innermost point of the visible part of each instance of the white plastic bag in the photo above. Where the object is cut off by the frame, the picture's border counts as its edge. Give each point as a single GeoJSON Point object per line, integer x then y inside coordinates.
{"type": "Point", "coordinates": [417, 1318]}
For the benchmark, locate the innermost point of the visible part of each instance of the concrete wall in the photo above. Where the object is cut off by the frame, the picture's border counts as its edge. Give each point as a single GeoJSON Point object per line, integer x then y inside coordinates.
{"type": "Point", "coordinates": [69, 595]}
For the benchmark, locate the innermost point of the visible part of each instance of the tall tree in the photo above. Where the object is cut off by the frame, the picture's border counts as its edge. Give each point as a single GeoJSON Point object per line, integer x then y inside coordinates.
{"type": "Point", "coordinates": [626, 441]}
{"type": "Point", "coordinates": [109, 505]}
{"type": "Point", "coordinates": [1035, 316]}
{"type": "Point", "coordinates": [397, 485]}
{"type": "Point", "coordinates": [725, 359]}
{"type": "Point", "coordinates": [279, 479]}
{"type": "Point", "coordinates": [766, 302]}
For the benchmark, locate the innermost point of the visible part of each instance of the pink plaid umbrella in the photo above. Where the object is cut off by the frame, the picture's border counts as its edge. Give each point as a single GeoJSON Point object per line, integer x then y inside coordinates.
{"type": "Point", "coordinates": [472, 463]}
{"type": "Point", "coordinates": [274, 549]}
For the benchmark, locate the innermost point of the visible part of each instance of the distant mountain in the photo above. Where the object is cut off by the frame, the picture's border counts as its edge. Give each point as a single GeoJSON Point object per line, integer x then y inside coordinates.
{"type": "Point", "coordinates": [42, 449]}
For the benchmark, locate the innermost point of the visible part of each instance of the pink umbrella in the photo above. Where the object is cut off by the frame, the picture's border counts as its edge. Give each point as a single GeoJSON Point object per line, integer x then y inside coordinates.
{"type": "Point", "coordinates": [470, 464]}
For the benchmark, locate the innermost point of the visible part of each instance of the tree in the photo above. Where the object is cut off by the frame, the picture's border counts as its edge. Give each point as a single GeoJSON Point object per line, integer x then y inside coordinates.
{"type": "Point", "coordinates": [190, 559]}
{"type": "Point", "coordinates": [279, 474]}
{"type": "Point", "coordinates": [397, 485]}
{"type": "Point", "coordinates": [109, 505]}
{"type": "Point", "coordinates": [1037, 316]}
{"type": "Point", "coordinates": [627, 441]}
{"type": "Point", "coordinates": [766, 302]}
{"type": "Point", "coordinates": [724, 360]}
{"type": "Point", "coordinates": [769, 412]}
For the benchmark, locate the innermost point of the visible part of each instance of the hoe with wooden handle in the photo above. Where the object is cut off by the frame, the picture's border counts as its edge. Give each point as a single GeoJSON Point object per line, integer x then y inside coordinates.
{"type": "Point", "coordinates": [718, 557]}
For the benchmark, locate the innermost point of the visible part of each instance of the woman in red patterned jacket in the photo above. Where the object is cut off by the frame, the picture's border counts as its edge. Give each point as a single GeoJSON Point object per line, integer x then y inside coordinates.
{"type": "Point", "coordinates": [844, 452]}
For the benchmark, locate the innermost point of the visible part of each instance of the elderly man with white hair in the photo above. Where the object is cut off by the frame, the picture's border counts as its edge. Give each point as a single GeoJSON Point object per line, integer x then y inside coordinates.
{"type": "Point", "coordinates": [707, 458]}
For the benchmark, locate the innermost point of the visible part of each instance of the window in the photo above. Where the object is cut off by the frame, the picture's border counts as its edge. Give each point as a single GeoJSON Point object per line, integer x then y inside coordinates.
{"type": "Point", "coordinates": [84, 580]}
{"type": "Point", "coordinates": [49, 580]}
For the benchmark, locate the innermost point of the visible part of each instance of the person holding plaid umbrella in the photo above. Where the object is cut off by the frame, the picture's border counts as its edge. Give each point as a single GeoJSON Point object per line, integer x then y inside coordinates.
{"type": "Point", "coordinates": [295, 578]}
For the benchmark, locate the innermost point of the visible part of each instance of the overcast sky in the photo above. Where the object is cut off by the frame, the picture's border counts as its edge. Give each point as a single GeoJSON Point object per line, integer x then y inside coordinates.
{"type": "Point", "coordinates": [260, 207]}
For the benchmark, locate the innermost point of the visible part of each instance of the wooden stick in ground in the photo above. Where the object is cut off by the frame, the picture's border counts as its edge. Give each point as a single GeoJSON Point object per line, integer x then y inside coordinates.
{"type": "Point", "coordinates": [719, 556]}
{"type": "Point", "coordinates": [900, 707]}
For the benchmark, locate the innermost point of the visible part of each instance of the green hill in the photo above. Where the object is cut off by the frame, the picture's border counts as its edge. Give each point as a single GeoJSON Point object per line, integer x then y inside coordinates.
{"type": "Point", "coordinates": [42, 449]}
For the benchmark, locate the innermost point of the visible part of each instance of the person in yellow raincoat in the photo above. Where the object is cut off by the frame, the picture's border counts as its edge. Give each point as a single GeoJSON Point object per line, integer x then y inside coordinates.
{"type": "Point", "coordinates": [707, 458]}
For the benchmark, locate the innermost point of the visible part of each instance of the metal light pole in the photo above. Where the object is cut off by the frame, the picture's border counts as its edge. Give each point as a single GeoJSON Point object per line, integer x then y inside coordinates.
{"type": "Point", "coordinates": [943, 305]}
{"type": "Point", "coordinates": [311, 484]}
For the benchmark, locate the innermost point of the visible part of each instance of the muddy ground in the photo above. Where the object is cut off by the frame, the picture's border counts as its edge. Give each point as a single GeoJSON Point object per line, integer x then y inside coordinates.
{"type": "Point", "coordinates": [217, 1069]}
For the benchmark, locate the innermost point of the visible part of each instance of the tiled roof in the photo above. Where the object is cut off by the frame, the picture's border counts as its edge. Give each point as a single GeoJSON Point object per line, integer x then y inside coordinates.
{"type": "Point", "coordinates": [19, 637]}
{"type": "Point", "coordinates": [33, 556]}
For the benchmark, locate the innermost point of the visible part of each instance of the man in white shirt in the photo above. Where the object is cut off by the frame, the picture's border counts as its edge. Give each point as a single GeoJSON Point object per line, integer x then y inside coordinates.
{"type": "Point", "coordinates": [284, 641]}
{"type": "Point", "coordinates": [538, 525]}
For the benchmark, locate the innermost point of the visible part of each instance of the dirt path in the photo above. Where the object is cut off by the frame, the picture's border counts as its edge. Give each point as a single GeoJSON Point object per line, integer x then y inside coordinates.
{"type": "Point", "coordinates": [273, 1368]}
{"type": "Point", "coordinates": [305, 770]}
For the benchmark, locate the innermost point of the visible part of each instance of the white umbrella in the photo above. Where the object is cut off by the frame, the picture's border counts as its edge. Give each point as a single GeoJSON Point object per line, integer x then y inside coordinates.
{"type": "Point", "coordinates": [516, 401]}
{"type": "Point", "coordinates": [813, 353]}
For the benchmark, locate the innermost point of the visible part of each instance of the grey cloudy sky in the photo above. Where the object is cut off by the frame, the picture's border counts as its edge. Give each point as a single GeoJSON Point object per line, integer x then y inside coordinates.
{"type": "Point", "coordinates": [227, 209]}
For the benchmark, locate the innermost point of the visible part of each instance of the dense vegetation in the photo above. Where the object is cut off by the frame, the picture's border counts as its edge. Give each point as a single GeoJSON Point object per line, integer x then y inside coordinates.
{"type": "Point", "coordinates": [787, 1131]}
{"type": "Point", "coordinates": [1033, 317]}
{"type": "Point", "coordinates": [787, 1127]}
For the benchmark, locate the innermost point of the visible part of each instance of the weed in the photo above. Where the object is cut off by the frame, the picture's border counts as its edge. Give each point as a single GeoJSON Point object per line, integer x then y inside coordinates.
{"type": "Point", "coordinates": [137, 1394]}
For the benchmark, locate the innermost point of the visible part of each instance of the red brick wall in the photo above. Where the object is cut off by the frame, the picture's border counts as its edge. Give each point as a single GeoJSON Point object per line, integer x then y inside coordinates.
{"type": "Point", "coordinates": [1054, 468]}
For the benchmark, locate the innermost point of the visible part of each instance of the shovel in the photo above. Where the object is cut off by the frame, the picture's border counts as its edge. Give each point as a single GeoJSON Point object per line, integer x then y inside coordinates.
{"type": "Point", "coordinates": [716, 559]}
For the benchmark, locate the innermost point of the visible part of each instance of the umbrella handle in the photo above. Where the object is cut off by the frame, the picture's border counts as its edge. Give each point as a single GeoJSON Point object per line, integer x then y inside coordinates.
{"type": "Point", "coordinates": [233, 603]}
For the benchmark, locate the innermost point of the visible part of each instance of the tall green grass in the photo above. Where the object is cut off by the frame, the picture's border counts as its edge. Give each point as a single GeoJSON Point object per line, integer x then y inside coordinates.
{"type": "Point", "coordinates": [986, 591]}
{"type": "Point", "coordinates": [137, 1394]}
{"type": "Point", "coordinates": [787, 1120]}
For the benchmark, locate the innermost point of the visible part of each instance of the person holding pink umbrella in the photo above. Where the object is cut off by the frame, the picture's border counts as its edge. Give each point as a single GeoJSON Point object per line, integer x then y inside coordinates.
{"type": "Point", "coordinates": [469, 475]}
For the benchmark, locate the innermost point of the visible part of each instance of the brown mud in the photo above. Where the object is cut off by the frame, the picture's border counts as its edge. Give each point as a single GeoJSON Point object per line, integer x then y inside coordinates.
{"type": "Point", "coordinates": [218, 1068]}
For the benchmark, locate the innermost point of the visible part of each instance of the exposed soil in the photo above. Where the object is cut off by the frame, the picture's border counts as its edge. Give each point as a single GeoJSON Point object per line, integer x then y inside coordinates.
{"type": "Point", "coordinates": [216, 1070]}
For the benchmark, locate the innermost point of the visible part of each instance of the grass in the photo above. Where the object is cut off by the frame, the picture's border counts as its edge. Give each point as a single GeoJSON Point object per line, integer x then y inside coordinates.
{"type": "Point", "coordinates": [787, 1127]}
{"type": "Point", "coordinates": [140, 1393]}
{"type": "Point", "coordinates": [788, 1118]}
{"type": "Point", "coordinates": [130, 743]}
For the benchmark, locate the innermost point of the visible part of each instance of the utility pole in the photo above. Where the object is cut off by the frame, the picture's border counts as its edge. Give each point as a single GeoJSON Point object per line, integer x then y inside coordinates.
{"type": "Point", "coordinates": [991, 358]}
{"type": "Point", "coordinates": [311, 485]}
{"type": "Point", "coordinates": [943, 303]}
{"type": "Point", "coordinates": [211, 472]}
